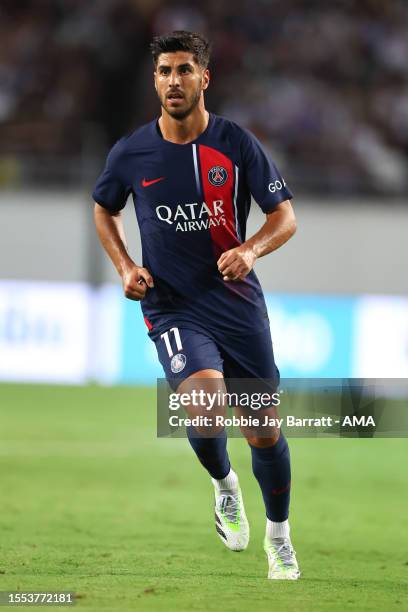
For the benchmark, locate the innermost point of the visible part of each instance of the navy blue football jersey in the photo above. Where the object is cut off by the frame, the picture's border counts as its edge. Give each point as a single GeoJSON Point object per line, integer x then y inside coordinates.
{"type": "Point", "coordinates": [192, 202]}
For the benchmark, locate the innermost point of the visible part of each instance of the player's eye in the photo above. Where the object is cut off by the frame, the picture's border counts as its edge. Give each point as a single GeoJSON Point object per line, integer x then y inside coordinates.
{"type": "Point", "coordinates": [185, 69]}
{"type": "Point", "coordinates": [164, 71]}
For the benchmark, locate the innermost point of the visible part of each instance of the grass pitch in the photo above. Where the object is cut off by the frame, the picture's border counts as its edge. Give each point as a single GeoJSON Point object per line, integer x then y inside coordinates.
{"type": "Point", "coordinates": [93, 502]}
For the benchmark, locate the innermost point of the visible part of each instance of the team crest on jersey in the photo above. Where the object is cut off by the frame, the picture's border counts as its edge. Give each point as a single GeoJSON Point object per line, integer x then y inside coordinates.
{"type": "Point", "coordinates": [217, 175]}
{"type": "Point", "coordinates": [178, 363]}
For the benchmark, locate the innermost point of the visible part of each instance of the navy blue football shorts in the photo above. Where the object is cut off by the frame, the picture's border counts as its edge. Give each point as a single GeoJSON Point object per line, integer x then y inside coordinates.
{"type": "Point", "coordinates": [183, 351]}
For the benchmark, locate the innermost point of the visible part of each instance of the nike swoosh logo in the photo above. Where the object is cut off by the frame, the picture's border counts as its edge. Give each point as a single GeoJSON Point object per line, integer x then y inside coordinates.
{"type": "Point", "coordinates": [146, 183]}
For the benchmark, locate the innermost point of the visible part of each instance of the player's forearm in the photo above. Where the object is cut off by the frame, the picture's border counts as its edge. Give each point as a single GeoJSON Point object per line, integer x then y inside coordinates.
{"type": "Point", "coordinates": [112, 236]}
{"type": "Point", "coordinates": [278, 228]}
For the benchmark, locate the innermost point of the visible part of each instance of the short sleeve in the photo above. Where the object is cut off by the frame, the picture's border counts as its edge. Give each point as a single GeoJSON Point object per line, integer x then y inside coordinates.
{"type": "Point", "coordinates": [264, 180]}
{"type": "Point", "coordinates": [110, 190]}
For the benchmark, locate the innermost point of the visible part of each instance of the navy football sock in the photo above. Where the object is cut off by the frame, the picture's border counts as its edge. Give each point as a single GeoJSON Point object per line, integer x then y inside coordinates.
{"type": "Point", "coordinates": [211, 452]}
{"type": "Point", "coordinates": [271, 467]}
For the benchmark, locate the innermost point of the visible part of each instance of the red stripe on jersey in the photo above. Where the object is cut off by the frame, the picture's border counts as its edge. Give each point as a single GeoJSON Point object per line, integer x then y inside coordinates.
{"type": "Point", "coordinates": [224, 235]}
{"type": "Point", "coordinates": [148, 324]}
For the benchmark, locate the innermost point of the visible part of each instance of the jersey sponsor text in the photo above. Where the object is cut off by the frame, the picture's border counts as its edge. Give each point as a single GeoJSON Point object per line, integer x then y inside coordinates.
{"type": "Point", "coordinates": [193, 217]}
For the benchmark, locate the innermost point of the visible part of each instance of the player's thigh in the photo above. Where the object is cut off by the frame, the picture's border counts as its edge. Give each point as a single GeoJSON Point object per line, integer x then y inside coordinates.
{"type": "Point", "coordinates": [251, 373]}
{"type": "Point", "coordinates": [194, 362]}
{"type": "Point", "coordinates": [204, 394]}
{"type": "Point", "coordinates": [193, 367]}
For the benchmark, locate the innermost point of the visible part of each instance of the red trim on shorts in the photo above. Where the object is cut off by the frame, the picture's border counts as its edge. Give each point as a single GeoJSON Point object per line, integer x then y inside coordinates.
{"type": "Point", "coordinates": [148, 324]}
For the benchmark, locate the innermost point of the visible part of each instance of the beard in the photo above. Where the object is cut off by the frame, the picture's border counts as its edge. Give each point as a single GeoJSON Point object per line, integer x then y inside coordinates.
{"type": "Point", "coordinates": [182, 113]}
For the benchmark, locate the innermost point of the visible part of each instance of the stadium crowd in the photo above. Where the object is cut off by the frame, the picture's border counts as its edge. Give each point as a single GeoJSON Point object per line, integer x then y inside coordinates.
{"type": "Point", "coordinates": [324, 85]}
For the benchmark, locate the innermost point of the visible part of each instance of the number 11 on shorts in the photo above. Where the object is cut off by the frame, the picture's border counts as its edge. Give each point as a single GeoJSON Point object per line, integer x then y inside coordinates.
{"type": "Point", "coordinates": [177, 338]}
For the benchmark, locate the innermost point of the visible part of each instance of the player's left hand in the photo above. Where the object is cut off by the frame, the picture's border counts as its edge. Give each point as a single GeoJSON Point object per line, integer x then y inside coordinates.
{"type": "Point", "coordinates": [235, 264]}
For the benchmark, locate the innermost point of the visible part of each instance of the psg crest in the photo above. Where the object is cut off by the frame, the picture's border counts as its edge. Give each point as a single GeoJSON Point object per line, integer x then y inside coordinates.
{"type": "Point", "coordinates": [178, 363]}
{"type": "Point", "coordinates": [217, 176]}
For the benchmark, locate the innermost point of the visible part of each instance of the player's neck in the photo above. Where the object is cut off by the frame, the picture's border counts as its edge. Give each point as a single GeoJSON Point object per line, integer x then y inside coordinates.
{"type": "Point", "coordinates": [183, 131]}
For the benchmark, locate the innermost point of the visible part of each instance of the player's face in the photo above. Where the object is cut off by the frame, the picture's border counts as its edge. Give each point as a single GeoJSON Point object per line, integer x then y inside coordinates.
{"type": "Point", "coordinates": [179, 82]}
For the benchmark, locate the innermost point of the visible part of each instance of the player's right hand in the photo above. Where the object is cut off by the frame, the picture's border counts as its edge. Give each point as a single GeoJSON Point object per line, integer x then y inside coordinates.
{"type": "Point", "coordinates": [135, 282]}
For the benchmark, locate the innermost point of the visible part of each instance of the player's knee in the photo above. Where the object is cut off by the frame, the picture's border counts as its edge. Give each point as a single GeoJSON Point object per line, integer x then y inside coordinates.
{"type": "Point", "coordinates": [262, 442]}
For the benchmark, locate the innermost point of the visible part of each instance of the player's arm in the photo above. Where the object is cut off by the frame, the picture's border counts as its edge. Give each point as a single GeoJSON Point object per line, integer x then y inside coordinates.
{"type": "Point", "coordinates": [109, 226]}
{"type": "Point", "coordinates": [280, 225]}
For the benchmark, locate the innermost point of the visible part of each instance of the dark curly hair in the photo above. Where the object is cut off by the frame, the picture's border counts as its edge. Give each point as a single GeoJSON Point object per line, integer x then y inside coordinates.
{"type": "Point", "coordinates": [181, 40]}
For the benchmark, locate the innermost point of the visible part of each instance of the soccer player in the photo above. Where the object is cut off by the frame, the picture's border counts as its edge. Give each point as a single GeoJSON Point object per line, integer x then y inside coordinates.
{"type": "Point", "coordinates": [191, 175]}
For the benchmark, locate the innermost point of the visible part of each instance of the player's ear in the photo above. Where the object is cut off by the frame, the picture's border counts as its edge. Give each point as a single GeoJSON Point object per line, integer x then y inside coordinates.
{"type": "Point", "coordinates": [206, 78]}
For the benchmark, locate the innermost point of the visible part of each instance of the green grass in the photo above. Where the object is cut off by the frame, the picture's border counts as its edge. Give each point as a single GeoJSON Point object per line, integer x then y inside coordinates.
{"type": "Point", "coordinates": [92, 501]}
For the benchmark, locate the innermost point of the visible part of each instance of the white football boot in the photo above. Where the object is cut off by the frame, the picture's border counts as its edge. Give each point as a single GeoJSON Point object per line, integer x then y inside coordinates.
{"type": "Point", "coordinates": [231, 522]}
{"type": "Point", "coordinates": [281, 559]}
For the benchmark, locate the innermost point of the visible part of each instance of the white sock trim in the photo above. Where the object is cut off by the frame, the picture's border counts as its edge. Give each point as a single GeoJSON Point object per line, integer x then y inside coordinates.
{"type": "Point", "coordinates": [230, 482]}
{"type": "Point", "coordinates": [277, 530]}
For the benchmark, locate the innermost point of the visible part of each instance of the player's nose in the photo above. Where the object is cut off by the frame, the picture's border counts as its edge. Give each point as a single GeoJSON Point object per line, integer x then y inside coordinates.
{"type": "Point", "coordinates": [174, 79]}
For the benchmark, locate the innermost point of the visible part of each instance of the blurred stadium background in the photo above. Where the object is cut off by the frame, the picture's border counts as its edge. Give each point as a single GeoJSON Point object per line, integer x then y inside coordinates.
{"type": "Point", "coordinates": [325, 88]}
